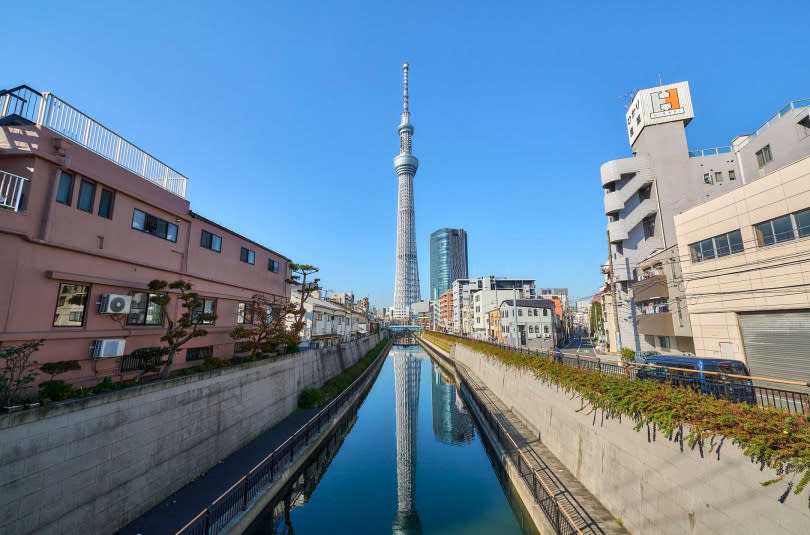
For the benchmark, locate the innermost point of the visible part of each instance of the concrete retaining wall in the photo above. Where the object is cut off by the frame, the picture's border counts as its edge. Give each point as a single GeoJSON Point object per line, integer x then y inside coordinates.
{"type": "Point", "coordinates": [652, 487]}
{"type": "Point", "coordinates": [95, 464]}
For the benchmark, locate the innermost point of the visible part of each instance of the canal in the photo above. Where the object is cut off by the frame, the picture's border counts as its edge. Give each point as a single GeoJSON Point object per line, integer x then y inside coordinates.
{"type": "Point", "coordinates": [410, 461]}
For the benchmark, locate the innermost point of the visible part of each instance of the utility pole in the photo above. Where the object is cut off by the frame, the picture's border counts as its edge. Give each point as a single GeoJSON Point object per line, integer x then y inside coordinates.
{"type": "Point", "coordinates": [514, 313]}
{"type": "Point", "coordinates": [613, 292]}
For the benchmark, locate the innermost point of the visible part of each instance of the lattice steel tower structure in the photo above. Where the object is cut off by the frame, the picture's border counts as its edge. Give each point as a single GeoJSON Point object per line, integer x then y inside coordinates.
{"type": "Point", "coordinates": [406, 284]}
{"type": "Point", "coordinates": [407, 369]}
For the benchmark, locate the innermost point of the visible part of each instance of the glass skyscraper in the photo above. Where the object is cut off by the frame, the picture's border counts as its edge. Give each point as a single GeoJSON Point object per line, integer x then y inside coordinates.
{"type": "Point", "coordinates": [448, 259]}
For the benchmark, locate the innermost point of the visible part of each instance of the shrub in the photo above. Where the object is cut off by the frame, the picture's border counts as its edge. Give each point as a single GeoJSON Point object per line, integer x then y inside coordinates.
{"type": "Point", "coordinates": [292, 347]}
{"type": "Point", "coordinates": [311, 398]}
{"type": "Point", "coordinates": [212, 363]}
{"type": "Point", "coordinates": [771, 437]}
{"type": "Point", "coordinates": [628, 354]}
{"type": "Point", "coordinates": [104, 385]}
{"type": "Point", "coordinates": [56, 390]}
{"type": "Point", "coordinates": [185, 371]}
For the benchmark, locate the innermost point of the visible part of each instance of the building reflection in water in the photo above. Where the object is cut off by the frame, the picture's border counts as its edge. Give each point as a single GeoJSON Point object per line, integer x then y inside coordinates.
{"type": "Point", "coordinates": [452, 424]}
{"type": "Point", "coordinates": [406, 384]}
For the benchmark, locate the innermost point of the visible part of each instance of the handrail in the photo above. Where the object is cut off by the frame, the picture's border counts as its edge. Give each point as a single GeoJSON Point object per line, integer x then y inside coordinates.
{"type": "Point", "coordinates": [196, 526]}
{"type": "Point", "coordinates": [49, 111]}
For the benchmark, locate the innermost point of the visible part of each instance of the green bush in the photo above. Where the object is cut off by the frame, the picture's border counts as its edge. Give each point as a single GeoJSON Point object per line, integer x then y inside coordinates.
{"type": "Point", "coordinates": [311, 398]}
{"type": "Point", "coordinates": [104, 385]}
{"type": "Point", "coordinates": [770, 436]}
{"type": "Point", "coordinates": [628, 354]}
{"type": "Point", "coordinates": [186, 371]}
{"type": "Point", "coordinates": [212, 363]}
{"type": "Point", "coordinates": [55, 368]}
{"type": "Point", "coordinates": [293, 347]}
{"type": "Point", "coordinates": [56, 390]}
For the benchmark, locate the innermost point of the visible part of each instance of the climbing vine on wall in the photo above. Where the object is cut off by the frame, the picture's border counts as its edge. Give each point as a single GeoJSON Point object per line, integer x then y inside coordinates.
{"type": "Point", "coordinates": [769, 436]}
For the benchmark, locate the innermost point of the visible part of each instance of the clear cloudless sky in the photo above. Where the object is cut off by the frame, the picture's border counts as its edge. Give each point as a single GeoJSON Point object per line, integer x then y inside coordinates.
{"type": "Point", "coordinates": [284, 114]}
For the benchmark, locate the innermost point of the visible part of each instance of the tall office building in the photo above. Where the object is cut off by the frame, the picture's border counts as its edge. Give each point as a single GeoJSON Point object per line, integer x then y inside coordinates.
{"type": "Point", "coordinates": [406, 282]}
{"type": "Point", "coordinates": [448, 259]}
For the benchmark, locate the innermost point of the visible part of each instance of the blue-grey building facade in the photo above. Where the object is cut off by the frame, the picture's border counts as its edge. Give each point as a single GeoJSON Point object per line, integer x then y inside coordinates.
{"type": "Point", "coordinates": [448, 259]}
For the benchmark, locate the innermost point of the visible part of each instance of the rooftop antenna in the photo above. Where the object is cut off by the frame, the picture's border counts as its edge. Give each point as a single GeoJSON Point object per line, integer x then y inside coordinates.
{"type": "Point", "coordinates": [627, 97]}
{"type": "Point", "coordinates": [660, 80]}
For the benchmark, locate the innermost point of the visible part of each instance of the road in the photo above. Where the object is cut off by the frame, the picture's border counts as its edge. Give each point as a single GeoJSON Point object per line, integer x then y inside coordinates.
{"type": "Point", "coordinates": [581, 344]}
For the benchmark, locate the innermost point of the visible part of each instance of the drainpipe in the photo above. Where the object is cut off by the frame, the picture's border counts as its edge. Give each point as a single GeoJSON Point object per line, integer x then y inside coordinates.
{"type": "Point", "coordinates": [660, 216]}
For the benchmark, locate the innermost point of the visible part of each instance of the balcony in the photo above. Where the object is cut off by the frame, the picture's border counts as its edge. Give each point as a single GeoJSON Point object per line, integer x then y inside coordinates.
{"type": "Point", "coordinates": [659, 324]}
{"type": "Point", "coordinates": [26, 106]}
{"type": "Point", "coordinates": [710, 152]}
{"type": "Point", "coordinates": [651, 288]}
{"type": "Point", "coordinates": [11, 187]}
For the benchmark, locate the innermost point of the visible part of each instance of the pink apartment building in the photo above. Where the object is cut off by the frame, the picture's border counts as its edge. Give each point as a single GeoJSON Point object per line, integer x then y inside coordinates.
{"type": "Point", "coordinates": [87, 219]}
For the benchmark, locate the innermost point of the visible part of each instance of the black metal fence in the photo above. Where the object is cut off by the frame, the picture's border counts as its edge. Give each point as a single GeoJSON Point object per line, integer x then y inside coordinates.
{"type": "Point", "coordinates": [752, 391]}
{"type": "Point", "coordinates": [555, 504]}
{"type": "Point", "coordinates": [236, 499]}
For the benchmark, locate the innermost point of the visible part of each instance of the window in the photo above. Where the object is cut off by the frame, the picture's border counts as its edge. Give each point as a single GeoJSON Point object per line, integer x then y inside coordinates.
{"type": "Point", "coordinates": [272, 265]}
{"type": "Point", "coordinates": [247, 255]}
{"type": "Point", "coordinates": [732, 175]}
{"type": "Point", "coordinates": [785, 228]}
{"type": "Point", "coordinates": [211, 241]}
{"type": "Point", "coordinates": [707, 178]}
{"type": "Point", "coordinates": [545, 329]}
{"type": "Point", "coordinates": [105, 203]}
{"type": "Point", "coordinates": [644, 193]}
{"type": "Point", "coordinates": [718, 246]}
{"type": "Point", "coordinates": [154, 225]}
{"type": "Point", "coordinates": [520, 312]}
{"type": "Point", "coordinates": [718, 177]}
{"type": "Point", "coordinates": [663, 342]}
{"type": "Point", "coordinates": [71, 304]}
{"type": "Point", "coordinates": [199, 353]}
{"type": "Point", "coordinates": [207, 306]}
{"type": "Point", "coordinates": [65, 190]}
{"type": "Point", "coordinates": [240, 347]}
{"type": "Point", "coordinates": [245, 314]}
{"type": "Point", "coordinates": [87, 194]}
{"type": "Point", "coordinates": [545, 312]}
{"type": "Point", "coordinates": [803, 222]}
{"type": "Point", "coordinates": [143, 311]}
{"type": "Point", "coordinates": [649, 227]}
{"type": "Point", "coordinates": [764, 156]}
{"type": "Point", "coordinates": [535, 312]}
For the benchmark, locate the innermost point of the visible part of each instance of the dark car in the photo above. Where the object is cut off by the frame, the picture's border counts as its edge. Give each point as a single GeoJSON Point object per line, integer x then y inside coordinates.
{"type": "Point", "coordinates": [672, 369]}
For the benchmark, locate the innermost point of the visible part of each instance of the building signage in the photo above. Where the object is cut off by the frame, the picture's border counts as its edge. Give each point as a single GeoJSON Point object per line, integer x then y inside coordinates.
{"type": "Point", "coordinates": [662, 104]}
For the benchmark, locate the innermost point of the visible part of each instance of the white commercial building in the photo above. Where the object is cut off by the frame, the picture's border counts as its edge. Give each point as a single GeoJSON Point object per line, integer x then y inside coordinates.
{"type": "Point", "coordinates": [471, 318]}
{"type": "Point", "coordinates": [528, 322]}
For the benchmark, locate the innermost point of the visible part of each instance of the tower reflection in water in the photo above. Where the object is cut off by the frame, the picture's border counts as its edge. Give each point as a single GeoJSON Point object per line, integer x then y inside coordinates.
{"type": "Point", "coordinates": [406, 384]}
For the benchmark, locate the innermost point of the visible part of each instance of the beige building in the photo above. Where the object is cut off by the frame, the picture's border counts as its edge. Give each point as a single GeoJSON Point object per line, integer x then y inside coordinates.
{"type": "Point", "coordinates": [745, 266]}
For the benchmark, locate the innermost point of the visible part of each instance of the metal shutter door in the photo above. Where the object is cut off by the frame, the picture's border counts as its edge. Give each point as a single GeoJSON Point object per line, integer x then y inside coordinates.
{"type": "Point", "coordinates": [777, 344]}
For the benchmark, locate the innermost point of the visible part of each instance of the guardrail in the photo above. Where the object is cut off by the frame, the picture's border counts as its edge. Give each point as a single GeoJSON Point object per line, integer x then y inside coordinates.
{"type": "Point", "coordinates": [48, 110]}
{"type": "Point", "coordinates": [11, 190]}
{"type": "Point", "coordinates": [543, 495]}
{"type": "Point", "coordinates": [711, 151]}
{"type": "Point", "coordinates": [235, 500]}
{"type": "Point", "coordinates": [737, 388]}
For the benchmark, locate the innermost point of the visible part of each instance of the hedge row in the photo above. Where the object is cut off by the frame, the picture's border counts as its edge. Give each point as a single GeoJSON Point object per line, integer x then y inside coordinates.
{"type": "Point", "coordinates": [768, 435]}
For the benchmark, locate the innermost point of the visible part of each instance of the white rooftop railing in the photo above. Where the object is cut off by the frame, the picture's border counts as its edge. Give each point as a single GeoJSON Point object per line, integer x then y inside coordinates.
{"type": "Point", "coordinates": [48, 110]}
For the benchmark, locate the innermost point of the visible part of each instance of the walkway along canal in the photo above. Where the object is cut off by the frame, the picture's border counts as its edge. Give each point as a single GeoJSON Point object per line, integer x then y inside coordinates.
{"type": "Point", "coordinates": [409, 461]}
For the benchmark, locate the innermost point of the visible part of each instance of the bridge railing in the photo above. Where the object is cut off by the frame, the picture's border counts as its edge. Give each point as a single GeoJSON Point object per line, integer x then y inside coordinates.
{"type": "Point", "coordinates": [236, 499]}
{"type": "Point", "coordinates": [760, 391]}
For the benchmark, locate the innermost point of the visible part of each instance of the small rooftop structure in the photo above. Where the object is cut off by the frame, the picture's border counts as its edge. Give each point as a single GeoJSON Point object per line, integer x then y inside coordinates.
{"type": "Point", "coordinates": [24, 105]}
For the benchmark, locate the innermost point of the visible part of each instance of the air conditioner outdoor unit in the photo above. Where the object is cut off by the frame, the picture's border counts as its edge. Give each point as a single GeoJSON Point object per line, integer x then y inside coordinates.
{"type": "Point", "coordinates": [115, 304]}
{"type": "Point", "coordinates": [113, 347]}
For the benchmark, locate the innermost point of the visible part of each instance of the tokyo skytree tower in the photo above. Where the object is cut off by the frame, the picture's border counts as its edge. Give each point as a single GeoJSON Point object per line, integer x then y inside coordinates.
{"type": "Point", "coordinates": [407, 369]}
{"type": "Point", "coordinates": [406, 285]}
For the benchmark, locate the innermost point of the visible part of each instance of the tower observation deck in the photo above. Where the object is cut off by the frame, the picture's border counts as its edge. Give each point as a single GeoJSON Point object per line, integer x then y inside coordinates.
{"type": "Point", "coordinates": [406, 283]}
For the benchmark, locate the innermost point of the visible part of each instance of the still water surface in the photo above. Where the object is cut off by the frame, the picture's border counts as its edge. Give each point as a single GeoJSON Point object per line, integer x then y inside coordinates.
{"type": "Point", "coordinates": [412, 463]}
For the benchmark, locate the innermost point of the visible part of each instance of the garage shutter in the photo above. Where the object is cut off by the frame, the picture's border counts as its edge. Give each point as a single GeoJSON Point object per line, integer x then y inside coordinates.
{"type": "Point", "coordinates": [777, 344]}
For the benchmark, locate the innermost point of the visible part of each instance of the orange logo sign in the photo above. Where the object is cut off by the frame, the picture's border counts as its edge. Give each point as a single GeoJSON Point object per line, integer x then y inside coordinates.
{"type": "Point", "coordinates": [665, 103]}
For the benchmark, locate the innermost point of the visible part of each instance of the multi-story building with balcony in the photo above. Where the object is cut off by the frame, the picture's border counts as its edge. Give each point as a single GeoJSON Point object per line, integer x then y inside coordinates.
{"type": "Point", "coordinates": [662, 316]}
{"type": "Point", "coordinates": [446, 311]}
{"type": "Point", "coordinates": [663, 178]}
{"type": "Point", "coordinates": [88, 219]}
{"type": "Point", "coordinates": [528, 322]}
{"type": "Point", "coordinates": [474, 298]}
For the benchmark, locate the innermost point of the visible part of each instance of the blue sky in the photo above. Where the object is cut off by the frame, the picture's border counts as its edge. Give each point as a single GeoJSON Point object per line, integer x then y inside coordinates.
{"type": "Point", "coordinates": [284, 114]}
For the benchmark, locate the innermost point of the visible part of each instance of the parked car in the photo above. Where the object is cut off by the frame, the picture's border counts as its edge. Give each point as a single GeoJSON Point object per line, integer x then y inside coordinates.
{"type": "Point", "coordinates": [641, 356]}
{"type": "Point", "coordinates": [672, 370]}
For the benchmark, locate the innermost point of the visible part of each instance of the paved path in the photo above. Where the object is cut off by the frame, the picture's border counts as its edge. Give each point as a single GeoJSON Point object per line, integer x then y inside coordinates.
{"type": "Point", "coordinates": [581, 345]}
{"type": "Point", "coordinates": [176, 510]}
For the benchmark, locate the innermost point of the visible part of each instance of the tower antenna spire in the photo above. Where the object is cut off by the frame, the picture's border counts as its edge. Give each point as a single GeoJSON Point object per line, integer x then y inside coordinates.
{"type": "Point", "coordinates": [405, 86]}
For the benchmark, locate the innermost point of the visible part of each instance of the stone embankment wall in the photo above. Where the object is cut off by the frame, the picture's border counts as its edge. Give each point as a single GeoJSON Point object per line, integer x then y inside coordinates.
{"type": "Point", "coordinates": [653, 487]}
{"type": "Point", "coordinates": [95, 464]}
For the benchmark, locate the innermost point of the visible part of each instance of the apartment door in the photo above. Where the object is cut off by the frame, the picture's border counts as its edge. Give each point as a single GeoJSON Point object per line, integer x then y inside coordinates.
{"type": "Point", "coordinates": [777, 344]}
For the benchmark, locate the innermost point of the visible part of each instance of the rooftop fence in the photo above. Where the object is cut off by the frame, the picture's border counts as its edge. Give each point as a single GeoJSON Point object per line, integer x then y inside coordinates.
{"type": "Point", "coordinates": [24, 105]}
